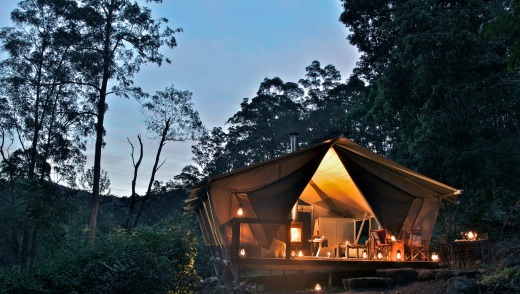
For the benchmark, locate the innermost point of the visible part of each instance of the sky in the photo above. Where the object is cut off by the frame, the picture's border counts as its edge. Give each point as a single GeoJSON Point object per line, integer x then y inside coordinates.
{"type": "Point", "coordinates": [225, 51]}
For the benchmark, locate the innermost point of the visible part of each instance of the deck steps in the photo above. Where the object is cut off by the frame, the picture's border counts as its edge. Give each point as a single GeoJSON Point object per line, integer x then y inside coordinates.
{"type": "Point", "coordinates": [388, 278]}
{"type": "Point", "coordinates": [367, 283]}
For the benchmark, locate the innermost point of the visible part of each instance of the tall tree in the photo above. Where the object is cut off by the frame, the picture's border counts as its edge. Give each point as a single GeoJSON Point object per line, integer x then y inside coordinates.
{"type": "Point", "coordinates": [40, 104]}
{"type": "Point", "coordinates": [260, 130]}
{"type": "Point", "coordinates": [169, 116]}
{"type": "Point", "coordinates": [117, 37]}
{"type": "Point", "coordinates": [209, 152]}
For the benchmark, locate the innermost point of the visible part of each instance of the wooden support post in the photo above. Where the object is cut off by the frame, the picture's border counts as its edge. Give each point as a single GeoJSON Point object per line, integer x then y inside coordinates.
{"type": "Point", "coordinates": [288, 239]}
{"type": "Point", "coordinates": [235, 238]}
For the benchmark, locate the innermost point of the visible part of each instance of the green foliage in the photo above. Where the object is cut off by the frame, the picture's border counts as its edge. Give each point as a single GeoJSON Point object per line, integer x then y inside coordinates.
{"type": "Point", "coordinates": [159, 258]}
{"type": "Point", "coordinates": [446, 104]}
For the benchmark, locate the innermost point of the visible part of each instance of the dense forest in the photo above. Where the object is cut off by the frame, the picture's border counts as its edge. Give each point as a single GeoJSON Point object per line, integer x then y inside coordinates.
{"type": "Point", "coordinates": [437, 89]}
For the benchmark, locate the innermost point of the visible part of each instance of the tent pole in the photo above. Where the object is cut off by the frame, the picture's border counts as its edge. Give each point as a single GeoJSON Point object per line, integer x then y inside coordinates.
{"type": "Point", "coordinates": [362, 225]}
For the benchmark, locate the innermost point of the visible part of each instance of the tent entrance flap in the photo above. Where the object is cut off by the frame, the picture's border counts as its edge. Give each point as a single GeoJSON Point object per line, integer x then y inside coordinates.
{"type": "Point", "coordinates": [332, 188]}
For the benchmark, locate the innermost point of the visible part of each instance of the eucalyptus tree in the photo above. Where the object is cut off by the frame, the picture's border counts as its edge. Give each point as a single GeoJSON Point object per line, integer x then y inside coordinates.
{"type": "Point", "coordinates": [169, 116]}
{"type": "Point", "coordinates": [210, 153]}
{"type": "Point", "coordinates": [116, 38]}
{"type": "Point", "coordinates": [40, 110]}
{"type": "Point", "coordinates": [43, 105]}
{"type": "Point", "coordinates": [260, 129]}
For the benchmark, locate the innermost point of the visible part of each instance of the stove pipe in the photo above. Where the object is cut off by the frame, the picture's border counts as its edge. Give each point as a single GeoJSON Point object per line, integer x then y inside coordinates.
{"type": "Point", "coordinates": [294, 147]}
{"type": "Point", "coordinates": [294, 141]}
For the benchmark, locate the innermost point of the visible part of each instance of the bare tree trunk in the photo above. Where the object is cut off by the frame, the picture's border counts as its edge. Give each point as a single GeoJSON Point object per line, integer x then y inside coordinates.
{"type": "Point", "coordinates": [100, 130]}
{"type": "Point", "coordinates": [156, 167]}
{"type": "Point", "coordinates": [133, 198]}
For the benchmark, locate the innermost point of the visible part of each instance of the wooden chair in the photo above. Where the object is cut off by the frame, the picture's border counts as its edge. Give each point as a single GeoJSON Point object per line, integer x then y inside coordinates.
{"type": "Point", "coordinates": [415, 245]}
{"type": "Point", "coordinates": [380, 243]}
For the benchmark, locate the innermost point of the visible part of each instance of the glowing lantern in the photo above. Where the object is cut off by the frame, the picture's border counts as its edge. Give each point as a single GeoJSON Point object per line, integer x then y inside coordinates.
{"type": "Point", "coordinates": [293, 253]}
{"type": "Point", "coordinates": [392, 238]}
{"type": "Point", "coordinates": [300, 253]}
{"type": "Point", "coordinates": [471, 236]}
{"type": "Point", "coordinates": [317, 287]}
{"type": "Point", "coordinates": [435, 257]}
{"type": "Point", "coordinates": [379, 255]}
{"type": "Point", "coordinates": [242, 252]}
{"type": "Point", "coordinates": [398, 255]}
{"type": "Point", "coordinates": [240, 211]}
{"type": "Point", "coordinates": [328, 254]}
{"type": "Point", "coordinates": [364, 254]}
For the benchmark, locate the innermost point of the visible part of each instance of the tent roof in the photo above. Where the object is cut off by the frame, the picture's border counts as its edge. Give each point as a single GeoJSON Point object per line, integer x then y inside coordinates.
{"type": "Point", "coordinates": [337, 175]}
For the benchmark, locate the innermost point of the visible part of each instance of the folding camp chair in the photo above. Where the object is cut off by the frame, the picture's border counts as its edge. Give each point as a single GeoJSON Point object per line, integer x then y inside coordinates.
{"type": "Point", "coordinates": [380, 243]}
{"type": "Point", "coordinates": [415, 246]}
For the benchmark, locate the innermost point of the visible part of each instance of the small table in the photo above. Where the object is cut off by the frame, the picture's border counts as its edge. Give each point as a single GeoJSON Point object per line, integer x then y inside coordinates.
{"type": "Point", "coordinates": [320, 242]}
{"type": "Point", "coordinates": [468, 250]}
{"type": "Point", "coordinates": [357, 247]}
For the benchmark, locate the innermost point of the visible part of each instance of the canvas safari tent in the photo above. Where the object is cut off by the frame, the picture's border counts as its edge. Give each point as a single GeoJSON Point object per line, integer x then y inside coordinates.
{"type": "Point", "coordinates": [337, 178]}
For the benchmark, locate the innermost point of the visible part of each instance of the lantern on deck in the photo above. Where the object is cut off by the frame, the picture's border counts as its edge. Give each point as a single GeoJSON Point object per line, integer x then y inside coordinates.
{"type": "Point", "coordinates": [317, 287]}
{"type": "Point", "coordinates": [364, 254]}
{"type": "Point", "coordinates": [379, 255]}
{"type": "Point", "coordinates": [242, 252]}
{"type": "Point", "coordinates": [435, 257]}
{"type": "Point", "coordinates": [300, 253]}
{"type": "Point", "coordinates": [398, 255]}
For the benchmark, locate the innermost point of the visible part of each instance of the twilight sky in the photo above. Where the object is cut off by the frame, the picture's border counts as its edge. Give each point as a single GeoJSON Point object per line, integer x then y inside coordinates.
{"type": "Point", "coordinates": [226, 50]}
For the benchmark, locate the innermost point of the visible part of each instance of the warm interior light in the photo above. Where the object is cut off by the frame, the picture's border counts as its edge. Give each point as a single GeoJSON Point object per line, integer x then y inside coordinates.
{"type": "Point", "coordinates": [398, 255]}
{"type": "Point", "coordinates": [240, 211]}
{"type": "Point", "coordinates": [317, 287]}
{"type": "Point", "coordinates": [379, 255]}
{"type": "Point", "coordinates": [296, 234]}
{"type": "Point", "coordinates": [364, 254]}
{"type": "Point", "coordinates": [242, 252]}
{"type": "Point", "coordinates": [300, 253]}
{"type": "Point", "coordinates": [435, 257]}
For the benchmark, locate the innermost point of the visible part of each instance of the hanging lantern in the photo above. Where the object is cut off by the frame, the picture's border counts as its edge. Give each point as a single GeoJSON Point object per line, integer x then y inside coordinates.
{"type": "Point", "coordinates": [242, 252]}
{"type": "Point", "coordinates": [364, 254]}
{"type": "Point", "coordinates": [240, 211]}
{"type": "Point", "coordinates": [398, 255]}
{"type": "Point", "coordinates": [379, 255]}
{"type": "Point", "coordinates": [317, 287]}
{"type": "Point", "coordinates": [435, 257]}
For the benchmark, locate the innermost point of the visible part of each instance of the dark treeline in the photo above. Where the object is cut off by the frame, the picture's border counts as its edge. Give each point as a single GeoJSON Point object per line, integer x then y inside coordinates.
{"type": "Point", "coordinates": [436, 89]}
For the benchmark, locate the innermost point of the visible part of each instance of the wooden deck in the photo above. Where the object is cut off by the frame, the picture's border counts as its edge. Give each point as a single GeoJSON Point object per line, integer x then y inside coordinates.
{"type": "Point", "coordinates": [333, 268]}
{"type": "Point", "coordinates": [327, 264]}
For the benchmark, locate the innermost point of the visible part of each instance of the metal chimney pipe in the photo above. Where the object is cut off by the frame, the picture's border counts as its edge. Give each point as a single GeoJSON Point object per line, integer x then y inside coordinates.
{"type": "Point", "coordinates": [294, 141]}
{"type": "Point", "coordinates": [294, 147]}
